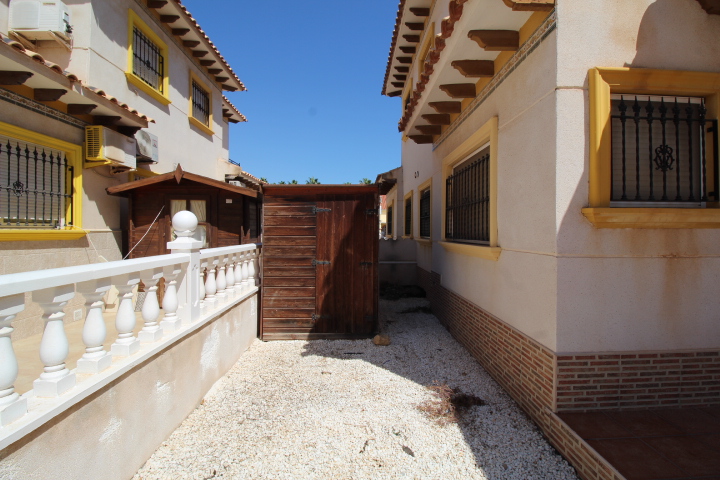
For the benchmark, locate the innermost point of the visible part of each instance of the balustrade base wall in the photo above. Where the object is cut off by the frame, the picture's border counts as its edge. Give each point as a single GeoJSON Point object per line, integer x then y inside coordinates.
{"type": "Point", "coordinates": [111, 433]}
{"type": "Point", "coordinates": [544, 383]}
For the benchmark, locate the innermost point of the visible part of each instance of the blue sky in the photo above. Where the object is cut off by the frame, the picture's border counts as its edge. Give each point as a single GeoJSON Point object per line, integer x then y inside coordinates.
{"type": "Point", "coordinates": [314, 71]}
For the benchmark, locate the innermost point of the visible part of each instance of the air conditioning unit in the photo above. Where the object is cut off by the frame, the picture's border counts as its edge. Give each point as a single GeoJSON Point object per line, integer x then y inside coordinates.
{"type": "Point", "coordinates": [40, 19]}
{"type": "Point", "coordinates": [147, 146]}
{"type": "Point", "coordinates": [236, 183]}
{"type": "Point", "coordinates": [108, 146]}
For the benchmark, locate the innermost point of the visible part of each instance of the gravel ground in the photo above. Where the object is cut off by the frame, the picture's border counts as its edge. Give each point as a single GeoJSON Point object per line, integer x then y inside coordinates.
{"type": "Point", "coordinates": [348, 410]}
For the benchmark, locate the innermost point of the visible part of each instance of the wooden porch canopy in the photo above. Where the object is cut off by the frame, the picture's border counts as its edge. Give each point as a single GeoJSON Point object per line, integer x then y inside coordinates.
{"type": "Point", "coordinates": [179, 174]}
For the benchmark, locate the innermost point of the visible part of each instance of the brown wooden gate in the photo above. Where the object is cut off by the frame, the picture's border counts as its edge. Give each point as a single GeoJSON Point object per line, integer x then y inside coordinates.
{"type": "Point", "coordinates": [320, 254]}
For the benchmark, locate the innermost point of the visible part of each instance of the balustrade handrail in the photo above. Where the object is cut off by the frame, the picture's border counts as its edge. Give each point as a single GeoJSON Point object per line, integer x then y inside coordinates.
{"type": "Point", "coordinates": [215, 252]}
{"type": "Point", "coordinates": [15, 283]}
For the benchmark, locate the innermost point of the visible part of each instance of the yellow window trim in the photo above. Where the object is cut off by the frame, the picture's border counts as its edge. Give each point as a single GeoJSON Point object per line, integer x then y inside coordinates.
{"type": "Point", "coordinates": [426, 185]}
{"type": "Point", "coordinates": [488, 133]}
{"type": "Point", "coordinates": [424, 241]}
{"type": "Point", "coordinates": [194, 121]}
{"type": "Point", "coordinates": [75, 158]}
{"type": "Point", "coordinates": [605, 81]}
{"type": "Point", "coordinates": [135, 21]}
{"type": "Point", "coordinates": [407, 196]}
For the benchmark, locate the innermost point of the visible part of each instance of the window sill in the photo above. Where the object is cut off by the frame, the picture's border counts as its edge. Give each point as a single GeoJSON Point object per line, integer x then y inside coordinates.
{"type": "Point", "coordinates": [424, 241]}
{"type": "Point", "coordinates": [137, 81]}
{"type": "Point", "coordinates": [407, 237]}
{"type": "Point", "coordinates": [653, 217]}
{"type": "Point", "coordinates": [39, 235]}
{"type": "Point", "coordinates": [200, 126]}
{"type": "Point", "coordinates": [480, 251]}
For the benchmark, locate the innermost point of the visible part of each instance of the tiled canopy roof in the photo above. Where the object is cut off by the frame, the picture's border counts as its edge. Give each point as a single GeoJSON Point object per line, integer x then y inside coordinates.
{"type": "Point", "coordinates": [243, 118]}
{"type": "Point", "coordinates": [18, 47]}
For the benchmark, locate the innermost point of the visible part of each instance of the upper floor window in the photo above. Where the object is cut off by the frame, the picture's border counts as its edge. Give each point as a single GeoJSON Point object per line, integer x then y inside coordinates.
{"type": "Point", "coordinates": [659, 151]}
{"type": "Point", "coordinates": [467, 203]}
{"type": "Point", "coordinates": [148, 62]}
{"type": "Point", "coordinates": [200, 103]}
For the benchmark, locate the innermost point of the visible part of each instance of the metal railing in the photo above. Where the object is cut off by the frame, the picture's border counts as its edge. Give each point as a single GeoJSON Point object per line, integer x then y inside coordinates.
{"type": "Point", "coordinates": [660, 150]}
{"type": "Point", "coordinates": [148, 62]}
{"type": "Point", "coordinates": [467, 202]}
{"type": "Point", "coordinates": [200, 104]}
{"type": "Point", "coordinates": [35, 186]}
{"type": "Point", "coordinates": [425, 213]}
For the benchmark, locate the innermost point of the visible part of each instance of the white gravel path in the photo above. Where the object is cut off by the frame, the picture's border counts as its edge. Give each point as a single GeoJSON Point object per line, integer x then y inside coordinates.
{"type": "Point", "coordinates": [348, 410]}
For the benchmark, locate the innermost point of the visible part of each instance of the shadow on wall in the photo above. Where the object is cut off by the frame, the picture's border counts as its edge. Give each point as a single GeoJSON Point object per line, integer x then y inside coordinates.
{"type": "Point", "coordinates": [672, 41]}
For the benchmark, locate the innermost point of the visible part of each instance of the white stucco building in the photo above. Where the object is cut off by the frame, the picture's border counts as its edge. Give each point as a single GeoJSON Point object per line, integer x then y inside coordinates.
{"type": "Point", "coordinates": [560, 164]}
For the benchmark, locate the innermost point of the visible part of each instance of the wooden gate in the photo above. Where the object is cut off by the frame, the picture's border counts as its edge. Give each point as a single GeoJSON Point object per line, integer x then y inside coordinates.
{"type": "Point", "coordinates": [320, 250]}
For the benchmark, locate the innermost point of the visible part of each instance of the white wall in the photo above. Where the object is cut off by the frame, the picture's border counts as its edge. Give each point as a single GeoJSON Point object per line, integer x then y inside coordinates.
{"type": "Point", "coordinates": [628, 289]}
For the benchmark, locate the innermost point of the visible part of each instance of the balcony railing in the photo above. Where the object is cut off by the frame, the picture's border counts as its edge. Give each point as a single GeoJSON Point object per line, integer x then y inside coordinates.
{"type": "Point", "coordinates": [199, 285]}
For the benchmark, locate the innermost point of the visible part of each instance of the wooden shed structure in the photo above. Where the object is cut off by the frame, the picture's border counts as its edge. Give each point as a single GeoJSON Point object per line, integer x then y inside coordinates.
{"type": "Point", "coordinates": [320, 255]}
{"type": "Point", "coordinates": [227, 214]}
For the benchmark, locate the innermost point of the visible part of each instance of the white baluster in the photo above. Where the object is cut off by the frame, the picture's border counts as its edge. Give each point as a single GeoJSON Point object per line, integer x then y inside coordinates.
{"type": "Point", "coordinates": [230, 277]}
{"type": "Point", "coordinates": [245, 271]}
{"type": "Point", "coordinates": [202, 270]}
{"type": "Point", "coordinates": [170, 322]}
{"type": "Point", "coordinates": [210, 286]}
{"type": "Point", "coordinates": [56, 379]}
{"type": "Point", "coordinates": [151, 331]}
{"type": "Point", "coordinates": [238, 273]}
{"type": "Point", "coordinates": [220, 281]}
{"type": "Point", "coordinates": [190, 292]}
{"type": "Point", "coordinates": [252, 270]}
{"type": "Point", "coordinates": [96, 358]}
{"type": "Point", "coordinates": [12, 406]}
{"type": "Point", "coordinates": [126, 343]}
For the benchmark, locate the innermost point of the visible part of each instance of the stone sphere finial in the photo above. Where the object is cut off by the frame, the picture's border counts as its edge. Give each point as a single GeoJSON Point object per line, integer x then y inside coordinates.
{"type": "Point", "coordinates": [184, 223]}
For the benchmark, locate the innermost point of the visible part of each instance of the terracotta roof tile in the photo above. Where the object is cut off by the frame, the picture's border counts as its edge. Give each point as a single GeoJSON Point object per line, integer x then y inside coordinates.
{"type": "Point", "coordinates": [202, 32]}
{"type": "Point", "coordinates": [242, 117]}
{"type": "Point", "coordinates": [70, 76]}
{"type": "Point", "coordinates": [398, 20]}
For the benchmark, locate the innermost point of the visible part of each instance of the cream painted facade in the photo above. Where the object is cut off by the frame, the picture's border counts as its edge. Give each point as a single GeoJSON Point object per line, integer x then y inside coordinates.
{"type": "Point", "coordinates": [564, 282]}
{"type": "Point", "coordinates": [99, 58]}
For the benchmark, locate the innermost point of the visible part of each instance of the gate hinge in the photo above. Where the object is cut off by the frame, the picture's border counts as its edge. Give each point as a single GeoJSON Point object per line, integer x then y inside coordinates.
{"type": "Point", "coordinates": [320, 262]}
{"type": "Point", "coordinates": [371, 211]}
{"type": "Point", "coordinates": [316, 209]}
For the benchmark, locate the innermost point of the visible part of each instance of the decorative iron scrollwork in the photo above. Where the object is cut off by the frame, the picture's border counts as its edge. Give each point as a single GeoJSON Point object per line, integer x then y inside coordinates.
{"type": "Point", "coordinates": [664, 158]}
{"type": "Point", "coordinates": [18, 188]}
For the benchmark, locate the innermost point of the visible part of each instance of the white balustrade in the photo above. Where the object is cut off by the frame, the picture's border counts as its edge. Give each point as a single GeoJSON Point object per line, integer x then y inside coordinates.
{"type": "Point", "coordinates": [171, 321]}
{"type": "Point", "coordinates": [96, 358]}
{"type": "Point", "coordinates": [12, 406]}
{"type": "Point", "coordinates": [55, 379]}
{"type": "Point", "coordinates": [230, 274]}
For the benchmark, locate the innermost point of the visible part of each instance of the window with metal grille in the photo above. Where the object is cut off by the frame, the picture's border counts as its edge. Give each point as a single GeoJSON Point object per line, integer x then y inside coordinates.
{"type": "Point", "coordinates": [408, 217]}
{"type": "Point", "coordinates": [663, 152]}
{"type": "Point", "coordinates": [148, 62]}
{"type": "Point", "coordinates": [35, 186]}
{"type": "Point", "coordinates": [425, 213]}
{"type": "Point", "coordinates": [389, 228]}
{"type": "Point", "coordinates": [467, 203]}
{"type": "Point", "coordinates": [200, 104]}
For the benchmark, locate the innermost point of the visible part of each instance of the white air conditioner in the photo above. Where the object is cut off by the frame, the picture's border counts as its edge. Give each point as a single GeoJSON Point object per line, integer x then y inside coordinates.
{"type": "Point", "coordinates": [40, 19]}
{"type": "Point", "coordinates": [147, 146]}
{"type": "Point", "coordinates": [236, 183]}
{"type": "Point", "coordinates": [108, 146]}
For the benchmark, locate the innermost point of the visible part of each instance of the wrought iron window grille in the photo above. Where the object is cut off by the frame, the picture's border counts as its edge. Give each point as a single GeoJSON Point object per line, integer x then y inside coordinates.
{"type": "Point", "coordinates": [389, 222]}
{"type": "Point", "coordinates": [467, 202]}
{"type": "Point", "coordinates": [425, 213]}
{"type": "Point", "coordinates": [664, 152]}
{"type": "Point", "coordinates": [35, 186]}
{"type": "Point", "coordinates": [148, 62]}
{"type": "Point", "coordinates": [408, 217]}
{"type": "Point", "coordinates": [200, 104]}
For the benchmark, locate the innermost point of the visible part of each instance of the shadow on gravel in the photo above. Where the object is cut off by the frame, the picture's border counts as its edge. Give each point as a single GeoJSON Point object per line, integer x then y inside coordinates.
{"type": "Point", "coordinates": [504, 441]}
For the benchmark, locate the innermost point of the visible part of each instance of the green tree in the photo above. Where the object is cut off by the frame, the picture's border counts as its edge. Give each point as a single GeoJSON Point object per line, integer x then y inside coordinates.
{"type": "Point", "coordinates": [263, 179]}
{"type": "Point", "coordinates": [293, 182]}
{"type": "Point", "coordinates": [281, 182]}
{"type": "Point", "coordinates": [347, 183]}
{"type": "Point", "coordinates": [312, 181]}
{"type": "Point", "coordinates": [366, 181]}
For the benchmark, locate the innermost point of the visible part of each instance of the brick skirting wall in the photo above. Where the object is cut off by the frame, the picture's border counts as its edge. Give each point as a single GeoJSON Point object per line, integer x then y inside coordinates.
{"type": "Point", "coordinates": [637, 380]}
{"type": "Point", "coordinates": [543, 383]}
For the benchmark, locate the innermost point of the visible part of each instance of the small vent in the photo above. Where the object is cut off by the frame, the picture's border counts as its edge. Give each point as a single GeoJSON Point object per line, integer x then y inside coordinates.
{"type": "Point", "coordinates": [93, 143]}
